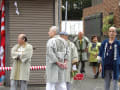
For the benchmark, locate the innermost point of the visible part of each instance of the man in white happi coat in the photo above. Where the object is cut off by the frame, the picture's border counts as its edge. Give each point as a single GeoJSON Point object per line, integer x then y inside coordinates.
{"type": "Point", "coordinates": [21, 54]}
{"type": "Point", "coordinates": [72, 57]}
{"type": "Point", "coordinates": [56, 63]}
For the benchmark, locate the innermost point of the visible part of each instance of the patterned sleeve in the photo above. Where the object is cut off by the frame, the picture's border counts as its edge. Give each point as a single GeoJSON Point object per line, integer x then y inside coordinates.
{"type": "Point", "coordinates": [88, 41]}
{"type": "Point", "coordinates": [101, 51]}
{"type": "Point", "coordinates": [74, 54]}
{"type": "Point", "coordinates": [14, 53]}
{"type": "Point", "coordinates": [51, 51]}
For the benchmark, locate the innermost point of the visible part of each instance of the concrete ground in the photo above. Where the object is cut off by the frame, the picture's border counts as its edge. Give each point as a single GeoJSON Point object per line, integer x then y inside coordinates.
{"type": "Point", "coordinates": [87, 84]}
{"type": "Point", "coordinates": [29, 88]}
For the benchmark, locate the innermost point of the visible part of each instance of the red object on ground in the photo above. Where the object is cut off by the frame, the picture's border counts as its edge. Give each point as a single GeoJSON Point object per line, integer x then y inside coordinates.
{"type": "Point", "coordinates": [79, 76]}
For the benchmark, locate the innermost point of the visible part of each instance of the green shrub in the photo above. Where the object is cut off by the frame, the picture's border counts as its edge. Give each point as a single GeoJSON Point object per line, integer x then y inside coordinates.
{"type": "Point", "coordinates": [118, 30]}
{"type": "Point", "coordinates": [108, 21]}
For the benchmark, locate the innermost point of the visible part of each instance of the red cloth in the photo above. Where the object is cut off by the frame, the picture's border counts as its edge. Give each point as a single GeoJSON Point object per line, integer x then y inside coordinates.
{"type": "Point", "coordinates": [2, 60]}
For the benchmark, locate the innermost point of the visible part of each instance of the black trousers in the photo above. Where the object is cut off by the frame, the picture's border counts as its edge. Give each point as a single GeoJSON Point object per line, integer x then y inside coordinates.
{"type": "Point", "coordinates": [82, 69]}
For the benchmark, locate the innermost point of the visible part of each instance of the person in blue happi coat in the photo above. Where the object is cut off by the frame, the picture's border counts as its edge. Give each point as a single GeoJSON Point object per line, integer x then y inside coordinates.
{"type": "Point", "coordinates": [110, 59]}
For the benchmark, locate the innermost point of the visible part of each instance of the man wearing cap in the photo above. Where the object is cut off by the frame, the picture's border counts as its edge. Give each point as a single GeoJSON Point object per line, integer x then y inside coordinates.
{"type": "Point", "coordinates": [72, 58]}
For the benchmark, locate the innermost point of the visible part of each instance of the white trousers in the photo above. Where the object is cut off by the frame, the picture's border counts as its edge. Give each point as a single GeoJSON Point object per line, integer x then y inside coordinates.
{"type": "Point", "coordinates": [56, 86]}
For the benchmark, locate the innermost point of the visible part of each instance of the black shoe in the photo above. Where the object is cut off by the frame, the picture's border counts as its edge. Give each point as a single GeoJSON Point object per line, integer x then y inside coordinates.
{"type": "Point", "coordinates": [95, 77]}
{"type": "Point", "coordinates": [97, 74]}
{"type": "Point", "coordinates": [82, 71]}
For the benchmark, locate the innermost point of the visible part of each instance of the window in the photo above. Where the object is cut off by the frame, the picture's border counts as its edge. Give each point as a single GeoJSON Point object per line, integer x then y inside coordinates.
{"type": "Point", "coordinates": [75, 8]}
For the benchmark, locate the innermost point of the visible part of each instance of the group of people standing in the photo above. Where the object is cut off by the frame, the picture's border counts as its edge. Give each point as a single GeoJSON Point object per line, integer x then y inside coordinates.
{"type": "Point", "coordinates": [88, 51]}
{"type": "Point", "coordinates": [64, 56]}
{"type": "Point", "coordinates": [61, 54]}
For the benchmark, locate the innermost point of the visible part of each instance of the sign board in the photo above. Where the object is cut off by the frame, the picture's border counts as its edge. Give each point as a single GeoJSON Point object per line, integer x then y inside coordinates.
{"type": "Point", "coordinates": [72, 27]}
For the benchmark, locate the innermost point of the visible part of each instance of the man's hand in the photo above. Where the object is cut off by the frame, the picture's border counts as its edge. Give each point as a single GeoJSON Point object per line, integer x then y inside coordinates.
{"type": "Point", "coordinates": [86, 49]}
{"type": "Point", "coordinates": [65, 63]}
{"type": "Point", "coordinates": [96, 55]}
{"type": "Point", "coordinates": [62, 65]}
{"type": "Point", "coordinates": [18, 57]}
{"type": "Point", "coordinates": [100, 68]}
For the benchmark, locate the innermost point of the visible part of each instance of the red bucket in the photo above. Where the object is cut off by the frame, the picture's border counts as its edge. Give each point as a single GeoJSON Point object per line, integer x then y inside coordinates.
{"type": "Point", "coordinates": [79, 76]}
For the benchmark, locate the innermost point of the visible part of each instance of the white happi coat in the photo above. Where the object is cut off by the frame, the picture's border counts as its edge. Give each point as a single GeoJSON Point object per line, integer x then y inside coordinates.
{"type": "Point", "coordinates": [72, 58]}
{"type": "Point", "coordinates": [56, 51]}
{"type": "Point", "coordinates": [21, 66]}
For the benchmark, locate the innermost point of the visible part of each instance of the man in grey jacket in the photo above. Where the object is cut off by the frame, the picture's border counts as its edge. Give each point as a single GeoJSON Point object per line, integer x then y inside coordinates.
{"type": "Point", "coordinates": [72, 56]}
{"type": "Point", "coordinates": [55, 61]}
{"type": "Point", "coordinates": [82, 43]}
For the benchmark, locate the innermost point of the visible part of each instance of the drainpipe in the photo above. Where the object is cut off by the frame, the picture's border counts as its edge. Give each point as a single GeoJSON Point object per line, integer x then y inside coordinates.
{"type": "Point", "coordinates": [66, 15]}
{"type": "Point", "coordinates": [59, 15]}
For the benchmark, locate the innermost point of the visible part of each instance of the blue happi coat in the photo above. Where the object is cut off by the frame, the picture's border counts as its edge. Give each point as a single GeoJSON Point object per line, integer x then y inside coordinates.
{"type": "Point", "coordinates": [116, 61]}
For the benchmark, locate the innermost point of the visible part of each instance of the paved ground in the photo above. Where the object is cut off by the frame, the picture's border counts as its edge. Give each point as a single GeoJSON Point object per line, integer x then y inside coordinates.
{"type": "Point", "coordinates": [29, 88]}
{"type": "Point", "coordinates": [87, 84]}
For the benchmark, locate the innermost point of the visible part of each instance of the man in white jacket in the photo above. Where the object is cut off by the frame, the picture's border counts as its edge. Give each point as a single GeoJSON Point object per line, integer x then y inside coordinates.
{"type": "Point", "coordinates": [55, 61]}
{"type": "Point", "coordinates": [21, 54]}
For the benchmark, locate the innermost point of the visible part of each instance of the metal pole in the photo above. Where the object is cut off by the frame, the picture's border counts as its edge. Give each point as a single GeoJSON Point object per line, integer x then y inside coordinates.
{"type": "Point", "coordinates": [59, 15]}
{"type": "Point", "coordinates": [66, 15]}
{"type": "Point", "coordinates": [7, 49]}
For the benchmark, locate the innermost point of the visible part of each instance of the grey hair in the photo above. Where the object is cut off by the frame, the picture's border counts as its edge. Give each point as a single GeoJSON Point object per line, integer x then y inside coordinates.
{"type": "Point", "coordinates": [53, 28]}
{"type": "Point", "coordinates": [114, 28]}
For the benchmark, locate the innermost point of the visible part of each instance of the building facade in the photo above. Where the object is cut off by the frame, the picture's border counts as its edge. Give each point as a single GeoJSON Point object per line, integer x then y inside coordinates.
{"type": "Point", "coordinates": [36, 16]}
{"type": "Point", "coordinates": [105, 7]}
